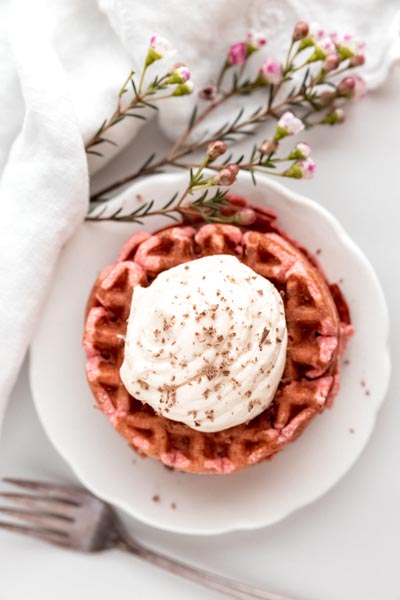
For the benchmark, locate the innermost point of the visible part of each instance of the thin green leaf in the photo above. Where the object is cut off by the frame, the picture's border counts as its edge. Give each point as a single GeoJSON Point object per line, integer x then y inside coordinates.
{"type": "Point", "coordinates": [135, 116]}
{"type": "Point", "coordinates": [134, 88]}
{"type": "Point", "coordinates": [238, 117]}
{"type": "Point", "coordinates": [235, 81]}
{"type": "Point", "coordinates": [153, 106]}
{"type": "Point", "coordinates": [193, 117]}
{"type": "Point", "coordinates": [99, 214]}
{"type": "Point", "coordinates": [100, 128]}
{"type": "Point", "coordinates": [253, 153]}
{"type": "Point", "coordinates": [170, 216]}
{"type": "Point", "coordinates": [94, 152]}
{"type": "Point", "coordinates": [117, 212]}
{"type": "Point", "coordinates": [147, 162]}
{"type": "Point", "coordinates": [149, 207]}
{"type": "Point", "coordinates": [228, 159]}
{"type": "Point", "coordinates": [139, 210]}
{"type": "Point", "coordinates": [108, 141]}
{"type": "Point", "coordinates": [174, 197]}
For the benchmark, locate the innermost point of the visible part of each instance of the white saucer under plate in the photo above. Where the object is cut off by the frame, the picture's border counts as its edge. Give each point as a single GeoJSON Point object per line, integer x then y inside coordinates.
{"type": "Point", "coordinates": [209, 504]}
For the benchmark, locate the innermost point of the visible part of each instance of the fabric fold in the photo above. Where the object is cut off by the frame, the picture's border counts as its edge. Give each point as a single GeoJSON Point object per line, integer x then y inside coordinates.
{"type": "Point", "coordinates": [44, 188]}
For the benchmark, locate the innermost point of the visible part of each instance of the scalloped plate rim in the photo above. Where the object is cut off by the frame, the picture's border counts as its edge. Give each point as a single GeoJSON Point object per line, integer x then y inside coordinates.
{"type": "Point", "coordinates": [249, 524]}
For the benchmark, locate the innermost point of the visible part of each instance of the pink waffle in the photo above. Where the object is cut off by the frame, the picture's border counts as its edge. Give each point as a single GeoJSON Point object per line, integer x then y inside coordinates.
{"type": "Point", "coordinates": [318, 329]}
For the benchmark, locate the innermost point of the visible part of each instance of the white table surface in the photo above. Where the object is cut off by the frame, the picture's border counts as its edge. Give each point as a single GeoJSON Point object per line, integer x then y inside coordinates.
{"type": "Point", "coordinates": [344, 546]}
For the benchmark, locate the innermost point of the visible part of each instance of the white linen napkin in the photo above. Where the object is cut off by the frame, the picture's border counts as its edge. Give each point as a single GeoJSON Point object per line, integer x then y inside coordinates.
{"type": "Point", "coordinates": [62, 63]}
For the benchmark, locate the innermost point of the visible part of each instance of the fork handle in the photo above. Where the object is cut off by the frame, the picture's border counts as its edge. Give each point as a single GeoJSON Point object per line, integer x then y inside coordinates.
{"type": "Point", "coordinates": [229, 587]}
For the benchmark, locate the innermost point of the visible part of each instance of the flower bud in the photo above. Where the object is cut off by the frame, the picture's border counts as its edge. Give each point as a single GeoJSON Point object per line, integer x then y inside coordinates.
{"type": "Point", "coordinates": [237, 53]}
{"type": "Point", "coordinates": [331, 62]}
{"type": "Point", "coordinates": [269, 146]}
{"type": "Point", "coordinates": [302, 169]}
{"type": "Point", "coordinates": [183, 89]}
{"type": "Point", "coordinates": [357, 60]}
{"type": "Point", "coordinates": [301, 151]}
{"type": "Point", "coordinates": [209, 92]}
{"type": "Point", "coordinates": [288, 124]}
{"type": "Point", "coordinates": [246, 216]}
{"type": "Point", "coordinates": [227, 175]}
{"type": "Point", "coordinates": [300, 31]}
{"type": "Point", "coordinates": [216, 149]}
{"type": "Point", "coordinates": [326, 98]}
{"type": "Point", "coordinates": [180, 74]}
{"type": "Point", "coordinates": [346, 86]}
{"type": "Point", "coordinates": [334, 117]}
{"type": "Point", "coordinates": [340, 115]}
{"type": "Point", "coordinates": [158, 48]}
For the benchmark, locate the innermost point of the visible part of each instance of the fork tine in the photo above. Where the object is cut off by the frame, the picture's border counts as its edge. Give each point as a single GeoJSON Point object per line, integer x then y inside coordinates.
{"type": "Point", "coordinates": [42, 503]}
{"type": "Point", "coordinates": [69, 493]}
{"type": "Point", "coordinates": [48, 536]}
{"type": "Point", "coordinates": [48, 521]}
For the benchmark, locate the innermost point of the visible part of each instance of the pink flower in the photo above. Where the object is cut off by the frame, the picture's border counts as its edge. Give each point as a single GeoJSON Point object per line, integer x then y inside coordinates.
{"type": "Point", "coordinates": [308, 167]}
{"type": "Point", "coordinates": [301, 169]}
{"type": "Point", "coordinates": [161, 45]}
{"type": "Point", "coordinates": [180, 74]}
{"type": "Point", "coordinates": [271, 71]}
{"type": "Point", "coordinates": [288, 124]}
{"type": "Point", "coordinates": [347, 44]}
{"type": "Point", "coordinates": [327, 46]}
{"type": "Point", "coordinates": [237, 53]}
{"type": "Point", "coordinates": [256, 40]}
{"type": "Point", "coordinates": [158, 48]}
{"type": "Point", "coordinates": [316, 32]}
{"type": "Point", "coordinates": [360, 88]}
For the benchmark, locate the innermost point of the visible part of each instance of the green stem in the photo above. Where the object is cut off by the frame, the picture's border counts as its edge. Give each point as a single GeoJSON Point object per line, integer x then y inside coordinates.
{"type": "Point", "coordinates": [142, 79]}
{"type": "Point", "coordinates": [288, 59]}
{"type": "Point", "coordinates": [221, 75]}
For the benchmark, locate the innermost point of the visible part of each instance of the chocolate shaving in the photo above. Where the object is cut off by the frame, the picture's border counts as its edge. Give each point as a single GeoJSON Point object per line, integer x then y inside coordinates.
{"type": "Point", "coordinates": [264, 336]}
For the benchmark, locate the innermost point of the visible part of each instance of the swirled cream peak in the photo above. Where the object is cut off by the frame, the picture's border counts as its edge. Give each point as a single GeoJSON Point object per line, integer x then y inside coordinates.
{"type": "Point", "coordinates": [206, 343]}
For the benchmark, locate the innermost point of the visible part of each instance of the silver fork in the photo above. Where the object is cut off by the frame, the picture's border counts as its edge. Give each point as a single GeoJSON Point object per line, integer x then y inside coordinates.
{"type": "Point", "coordinates": [71, 517]}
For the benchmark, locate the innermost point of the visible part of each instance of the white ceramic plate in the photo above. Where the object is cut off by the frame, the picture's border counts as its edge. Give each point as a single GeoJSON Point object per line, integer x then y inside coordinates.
{"type": "Point", "coordinates": [209, 504]}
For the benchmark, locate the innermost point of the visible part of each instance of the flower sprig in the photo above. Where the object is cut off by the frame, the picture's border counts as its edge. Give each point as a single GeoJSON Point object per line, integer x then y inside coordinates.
{"type": "Point", "coordinates": [175, 82]}
{"type": "Point", "coordinates": [212, 208]}
{"type": "Point", "coordinates": [307, 89]}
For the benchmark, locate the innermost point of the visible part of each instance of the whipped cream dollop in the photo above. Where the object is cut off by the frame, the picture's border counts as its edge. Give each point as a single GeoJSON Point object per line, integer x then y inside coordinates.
{"type": "Point", "coordinates": [206, 343]}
